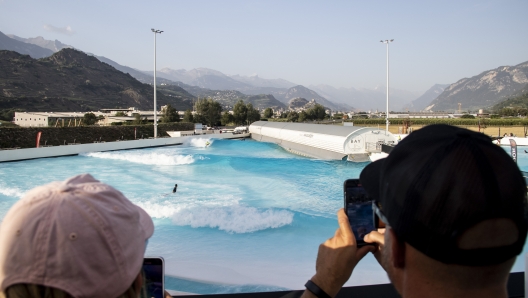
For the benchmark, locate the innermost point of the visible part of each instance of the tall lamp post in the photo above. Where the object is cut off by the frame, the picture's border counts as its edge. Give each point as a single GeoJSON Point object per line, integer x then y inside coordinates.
{"type": "Point", "coordinates": [155, 112]}
{"type": "Point", "coordinates": [387, 41]}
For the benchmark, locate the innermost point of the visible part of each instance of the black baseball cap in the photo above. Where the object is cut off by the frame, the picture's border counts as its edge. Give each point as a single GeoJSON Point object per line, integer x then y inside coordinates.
{"type": "Point", "coordinates": [442, 180]}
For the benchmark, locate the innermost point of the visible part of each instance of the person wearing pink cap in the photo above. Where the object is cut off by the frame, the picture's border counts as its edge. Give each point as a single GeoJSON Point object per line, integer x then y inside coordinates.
{"type": "Point", "coordinates": [75, 238]}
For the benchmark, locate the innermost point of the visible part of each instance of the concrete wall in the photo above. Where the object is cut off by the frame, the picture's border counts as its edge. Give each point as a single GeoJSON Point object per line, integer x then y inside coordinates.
{"type": "Point", "coordinates": [55, 151]}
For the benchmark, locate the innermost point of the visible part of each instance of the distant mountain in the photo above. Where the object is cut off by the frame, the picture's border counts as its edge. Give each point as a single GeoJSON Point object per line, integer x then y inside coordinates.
{"type": "Point", "coordinates": [201, 77]}
{"type": "Point", "coordinates": [228, 98]}
{"type": "Point", "coordinates": [10, 44]}
{"type": "Point", "coordinates": [257, 81]}
{"type": "Point", "coordinates": [366, 99]}
{"type": "Point", "coordinates": [303, 92]}
{"type": "Point", "coordinates": [53, 45]}
{"type": "Point", "coordinates": [70, 80]}
{"type": "Point", "coordinates": [137, 74]}
{"type": "Point", "coordinates": [253, 85]}
{"type": "Point", "coordinates": [483, 90]}
{"type": "Point", "coordinates": [425, 99]}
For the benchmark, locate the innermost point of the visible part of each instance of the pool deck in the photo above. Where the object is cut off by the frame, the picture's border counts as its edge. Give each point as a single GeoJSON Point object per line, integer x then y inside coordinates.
{"type": "Point", "coordinates": [75, 149]}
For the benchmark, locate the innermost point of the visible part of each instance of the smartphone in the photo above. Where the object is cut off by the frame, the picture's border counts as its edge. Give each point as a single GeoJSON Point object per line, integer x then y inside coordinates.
{"type": "Point", "coordinates": [358, 208]}
{"type": "Point", "coordinates": [154, 273]}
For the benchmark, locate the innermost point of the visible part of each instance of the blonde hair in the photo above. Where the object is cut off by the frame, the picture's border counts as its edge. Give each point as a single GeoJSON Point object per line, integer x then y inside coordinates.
{"type": "Point", "coordinates": [39, 291]}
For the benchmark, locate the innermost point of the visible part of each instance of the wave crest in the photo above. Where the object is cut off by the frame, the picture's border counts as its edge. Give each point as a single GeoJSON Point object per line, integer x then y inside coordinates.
{"type": "Point", "coordinates": [159, 159]}
{"type": "Point", "coordinates": [233, 219]}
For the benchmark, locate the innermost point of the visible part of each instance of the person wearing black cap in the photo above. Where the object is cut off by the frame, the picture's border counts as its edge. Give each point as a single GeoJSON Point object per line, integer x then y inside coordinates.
{"type": "Point", "coordinates": [455, 208]}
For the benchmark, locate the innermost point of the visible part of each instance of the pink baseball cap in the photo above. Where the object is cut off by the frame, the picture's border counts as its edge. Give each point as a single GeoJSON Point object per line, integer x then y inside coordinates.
{"type": "Point", "coordinates": [80, 235]}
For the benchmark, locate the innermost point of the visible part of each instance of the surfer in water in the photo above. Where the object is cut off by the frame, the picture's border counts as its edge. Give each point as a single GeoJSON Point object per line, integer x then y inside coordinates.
{"type": "Point", "coordinates": [175, 188]}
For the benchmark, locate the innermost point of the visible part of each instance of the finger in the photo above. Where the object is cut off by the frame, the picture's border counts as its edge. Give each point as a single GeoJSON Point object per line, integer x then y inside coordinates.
{"type": "Point", "coordinates": [344, 226]}
{"type": "Point", "coordinates": [374, 237]}
{"type": "Point", "coordinates": [361, 252]}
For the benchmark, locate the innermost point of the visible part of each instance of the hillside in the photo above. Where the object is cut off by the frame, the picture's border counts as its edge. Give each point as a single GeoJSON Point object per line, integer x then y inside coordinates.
{"type": "Point", "coordinates": [484, 90]}
{"type": "Point", "coordinates": [10, 44]}
{"type": "Point", "coordinates": [518, 100]}
{"type": "Point", "coordinates": [70, 80]}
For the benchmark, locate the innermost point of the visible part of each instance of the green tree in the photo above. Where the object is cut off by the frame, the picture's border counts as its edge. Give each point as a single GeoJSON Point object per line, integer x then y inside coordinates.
{"type": "Point", "coordinates": [120, 114]}
{"type": "Point", "coordinates": [268, 113]}
{"type": "Point", "coordinates": [89, 119]}
{"type": "Point", "coordinates": [227, 119]}
{"type": "Point", "coordinates": [210, 111]}
{"type": "Point", "coordinates": [293, 116]}
{"type": "Point", "coordinates": [137, 119]}
{"type": "Point", "coordinates": [317, 112]}
{"type": "Point", "coordinates": [240, 112]}
{"type": "Point", "coordinates": [170, 114]}
{"type": "Point", "coordinates": [467, 116]}
{"type": "Point", "coordinates": [252, 113]}
{"type": "Point", "coordinates": [188, 116]}
{"type": "Point", "coordinates": [303, 116]}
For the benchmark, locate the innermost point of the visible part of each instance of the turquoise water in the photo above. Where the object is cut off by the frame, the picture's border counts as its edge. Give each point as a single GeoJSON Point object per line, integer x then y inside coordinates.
{"type": "Point", "coordinates": [247, 216]}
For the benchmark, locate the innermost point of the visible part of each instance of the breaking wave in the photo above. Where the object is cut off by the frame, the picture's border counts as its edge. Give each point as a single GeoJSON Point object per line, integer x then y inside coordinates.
{"type": "Point", "coordinates": [145, 158]}
{"type": "Point", "coordinates": [232, 219]}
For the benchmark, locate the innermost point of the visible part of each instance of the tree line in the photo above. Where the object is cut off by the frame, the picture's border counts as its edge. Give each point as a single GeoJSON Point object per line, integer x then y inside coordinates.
{"type": "Point", "coordinates": [317, 112]}
{"type": "Point", "coordinates": [209, 112]}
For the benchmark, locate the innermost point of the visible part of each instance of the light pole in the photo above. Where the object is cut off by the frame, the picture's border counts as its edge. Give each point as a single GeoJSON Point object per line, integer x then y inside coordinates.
{"type": "Point", "coordinates": [387, 41]}
{"type": "Point", "coordinates": [155, 112]}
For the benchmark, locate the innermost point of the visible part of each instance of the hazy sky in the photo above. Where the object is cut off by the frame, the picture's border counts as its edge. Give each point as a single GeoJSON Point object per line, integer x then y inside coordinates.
{"type": "Point", "coordinates": [306, 42]}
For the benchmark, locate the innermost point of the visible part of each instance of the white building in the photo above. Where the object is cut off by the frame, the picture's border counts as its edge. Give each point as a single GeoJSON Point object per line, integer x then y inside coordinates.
{"type": "Point", "coordinates": [45, 119]}
{"type": "Point", "coordinates": [352, 143]}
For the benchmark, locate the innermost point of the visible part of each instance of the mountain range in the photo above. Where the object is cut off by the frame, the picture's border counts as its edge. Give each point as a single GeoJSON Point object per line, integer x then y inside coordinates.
{"type": "Point", "coordinates": [10, 44]}
{"type": "Point", "coordinates": [481, 91]}
{"type": "Point", "coordinates": [70, 80]}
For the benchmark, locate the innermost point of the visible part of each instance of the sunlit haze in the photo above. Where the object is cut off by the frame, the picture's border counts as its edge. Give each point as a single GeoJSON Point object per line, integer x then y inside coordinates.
{"type": "Point", "coordinates": [306, 42]}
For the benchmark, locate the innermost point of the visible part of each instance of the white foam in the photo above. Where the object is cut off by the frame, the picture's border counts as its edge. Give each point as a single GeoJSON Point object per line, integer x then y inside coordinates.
{"type": "Point", "coordinates": [233, 219]}
{"type": "Point", "coordinates": [145, 158]}
{"type": "Point", "coordinates": [199, 142]}
{"type": "Point", "coordinates": [226, 215]}
{"type": "Point", "coordinates": [11, 192]}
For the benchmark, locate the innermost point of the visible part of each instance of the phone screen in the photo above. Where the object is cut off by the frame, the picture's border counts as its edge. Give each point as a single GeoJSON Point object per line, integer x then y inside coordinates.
{"type": "Point", "coordinates": [154, 277]}
{"type": "Point", "coordinates": [358, 207]}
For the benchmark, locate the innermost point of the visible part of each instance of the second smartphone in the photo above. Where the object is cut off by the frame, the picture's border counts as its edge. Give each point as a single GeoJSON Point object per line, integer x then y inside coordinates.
{"type": "Point", "coordinates": [358, 208]}
{"type": "Point", "coordinates": [154, 269]}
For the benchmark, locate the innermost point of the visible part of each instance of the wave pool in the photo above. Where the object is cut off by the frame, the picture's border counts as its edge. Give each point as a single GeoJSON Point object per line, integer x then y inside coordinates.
{"type": "Point", "coordinates": [247, 216]}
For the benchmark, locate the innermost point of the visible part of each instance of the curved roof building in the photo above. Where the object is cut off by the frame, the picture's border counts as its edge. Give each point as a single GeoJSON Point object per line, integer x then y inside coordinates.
{"type": "Point", "coordinates": [351, 143]}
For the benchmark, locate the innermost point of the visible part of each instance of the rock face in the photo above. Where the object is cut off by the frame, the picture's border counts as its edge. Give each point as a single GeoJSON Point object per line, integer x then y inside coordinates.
{"type": "Point", "coordinates": [483, 90]}
{"type": "Point", "coordinates": [10, 44]}
{"type": "Point", "coordinates": [296, 103]}
{"type": "Point", "coordinates": [70, 80]}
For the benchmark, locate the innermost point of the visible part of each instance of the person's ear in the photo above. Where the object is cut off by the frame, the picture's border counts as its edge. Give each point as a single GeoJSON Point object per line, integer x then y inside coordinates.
{"type": "Point", "coordinates": [397, 250]}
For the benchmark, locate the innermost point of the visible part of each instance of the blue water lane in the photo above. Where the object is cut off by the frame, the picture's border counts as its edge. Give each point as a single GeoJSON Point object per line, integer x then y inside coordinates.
{"type": "Point", "coordinates": [247, 216]}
